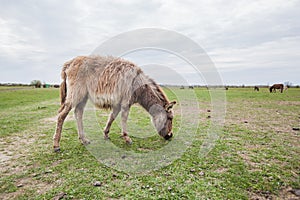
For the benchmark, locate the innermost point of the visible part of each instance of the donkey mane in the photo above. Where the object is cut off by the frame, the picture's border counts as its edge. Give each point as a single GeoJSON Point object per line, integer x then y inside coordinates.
{"type": "Point", "coordinates": [158, 91]}
{"type": "Point", "coordinates": [147, 92]}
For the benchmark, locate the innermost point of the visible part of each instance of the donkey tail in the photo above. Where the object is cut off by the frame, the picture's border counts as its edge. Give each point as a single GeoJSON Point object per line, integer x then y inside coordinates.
{"type": "Point", "coordinates": [63, 87]}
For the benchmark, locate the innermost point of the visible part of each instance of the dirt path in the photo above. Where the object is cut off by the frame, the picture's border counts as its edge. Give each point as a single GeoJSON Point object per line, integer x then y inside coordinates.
{"type": "Point", "coordinates": [17, 150]}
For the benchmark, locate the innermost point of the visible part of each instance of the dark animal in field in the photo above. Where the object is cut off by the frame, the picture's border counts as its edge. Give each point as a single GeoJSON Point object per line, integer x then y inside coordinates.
{"type": "Point", "coordinates": [256, 88]}
{"type": "Point", "coordinates": [111, 83]}
{"type": "Point", "coordinates": [226, 88]}
{"type": "Point", "coordinates": [276, 86]}
{"type": "Point", "coordinates": [56, 86]}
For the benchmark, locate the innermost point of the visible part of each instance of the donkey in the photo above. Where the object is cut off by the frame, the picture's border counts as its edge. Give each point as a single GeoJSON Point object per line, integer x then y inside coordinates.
{"type": "Point", "coordinates": [110, 83]}
{"type": "Point", "coordinates": [276, 86]}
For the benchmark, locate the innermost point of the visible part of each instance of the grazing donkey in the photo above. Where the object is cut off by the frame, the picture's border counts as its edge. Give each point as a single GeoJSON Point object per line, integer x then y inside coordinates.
{"type": "Point", "coordinates": [110, 83]}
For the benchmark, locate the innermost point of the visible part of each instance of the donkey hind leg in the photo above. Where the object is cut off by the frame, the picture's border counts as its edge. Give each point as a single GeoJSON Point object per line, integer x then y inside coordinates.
{"type": "Point", "coordinates": [113, 115]}
{"type": "Point", "coordinates": [60, 120]}
{"type": "Point", "coordinates": [78, 115]}
{"type": "Point", "coordinates": [125, 112]}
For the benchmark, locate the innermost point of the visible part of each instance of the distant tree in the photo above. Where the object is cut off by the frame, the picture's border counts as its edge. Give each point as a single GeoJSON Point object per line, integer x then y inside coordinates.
{"type": "Point", "coordinates": [36, 83]}
{"type": "Point", "coordinates": [288, 84]}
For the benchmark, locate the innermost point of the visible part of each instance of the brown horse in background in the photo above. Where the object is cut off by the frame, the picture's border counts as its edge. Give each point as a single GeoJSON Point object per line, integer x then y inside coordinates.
{"type": "Point", "coordinates": [256, 88]}
{"type": "Point", "coordinates": [276, 86]}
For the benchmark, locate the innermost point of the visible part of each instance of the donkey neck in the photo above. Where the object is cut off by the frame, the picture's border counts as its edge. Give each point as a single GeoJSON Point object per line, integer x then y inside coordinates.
{"type": "Point", "coordinates": [151, 96]}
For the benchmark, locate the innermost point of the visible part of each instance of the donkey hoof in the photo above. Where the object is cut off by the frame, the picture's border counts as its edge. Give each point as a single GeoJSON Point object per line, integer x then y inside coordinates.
{"type": "Point", "coordinates": [56, 149]}
{"type": "Point", "coordinates": [128, 140]}
{"type": "Point", "coordinates": [106, 137]}
{"type": "Point", "coordinates": [85, 141]}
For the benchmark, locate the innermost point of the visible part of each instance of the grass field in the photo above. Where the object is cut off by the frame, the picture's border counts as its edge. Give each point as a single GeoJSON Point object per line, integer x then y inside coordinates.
{"type": "Point", "coordinates": [256, 156]}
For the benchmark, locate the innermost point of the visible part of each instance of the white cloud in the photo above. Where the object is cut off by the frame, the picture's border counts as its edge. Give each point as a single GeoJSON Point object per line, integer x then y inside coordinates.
{"type": "Point", "coordinates": [274, 54]}
{"type": "Point", "coordinates": [16, 40]}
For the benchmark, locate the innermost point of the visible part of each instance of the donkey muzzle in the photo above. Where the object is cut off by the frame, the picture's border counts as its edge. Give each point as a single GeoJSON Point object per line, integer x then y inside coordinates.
{"type": "Point", "coordinates": [168, 136]}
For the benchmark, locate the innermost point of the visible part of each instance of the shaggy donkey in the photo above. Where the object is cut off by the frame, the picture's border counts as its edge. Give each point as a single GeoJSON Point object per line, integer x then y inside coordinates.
{"type": "Point", "coordinates": [110, 83]}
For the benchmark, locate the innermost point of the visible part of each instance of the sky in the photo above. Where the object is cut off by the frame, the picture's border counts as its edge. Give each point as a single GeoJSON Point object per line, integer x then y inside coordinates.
{"type": "Point", "coordinates": [248, 42]}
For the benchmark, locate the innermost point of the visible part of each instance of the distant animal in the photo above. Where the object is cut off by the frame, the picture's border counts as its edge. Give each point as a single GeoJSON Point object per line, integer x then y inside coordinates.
{"type": "Point", "coordinates": [276, 86]}
{"type": "Point", "coordinates": [226, 88]}
{"type": "Point", "coordinates": [56, 86]}
{"type": "Point", "coordinates": [110, 83]}
{"type": "Point", "coordinates": [256, 88]}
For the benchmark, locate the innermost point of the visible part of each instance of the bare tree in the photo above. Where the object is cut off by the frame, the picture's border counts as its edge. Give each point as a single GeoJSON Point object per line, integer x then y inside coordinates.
{"type": "Point", "coordinates": [36, 83]}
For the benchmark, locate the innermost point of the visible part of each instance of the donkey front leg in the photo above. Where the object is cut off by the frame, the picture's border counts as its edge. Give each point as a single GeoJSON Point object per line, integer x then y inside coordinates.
{"type": "Point", "coordinates": [78, 115]}
{"type": "Point", "coordinates": [125, 112]}
{"type": "Point", "coordinates": [60, 120]}
{"type": "Point", "coordinates": [113, 115]}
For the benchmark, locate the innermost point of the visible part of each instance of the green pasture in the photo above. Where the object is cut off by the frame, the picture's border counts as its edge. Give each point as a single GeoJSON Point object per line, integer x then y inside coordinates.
{"type": "Point", "coordinates": [255, 157]}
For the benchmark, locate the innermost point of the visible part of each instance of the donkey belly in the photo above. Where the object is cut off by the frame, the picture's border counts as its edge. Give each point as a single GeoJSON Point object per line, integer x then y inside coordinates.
{"type": "Point", "coordinates": [106, 101]}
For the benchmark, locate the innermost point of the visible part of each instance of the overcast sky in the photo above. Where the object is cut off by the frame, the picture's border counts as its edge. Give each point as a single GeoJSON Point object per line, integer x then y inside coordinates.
{"type": "Point", "coordinates": [249, 42]}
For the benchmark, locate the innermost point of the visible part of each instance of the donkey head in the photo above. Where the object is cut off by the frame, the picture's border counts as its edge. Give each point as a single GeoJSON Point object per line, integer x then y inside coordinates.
{"type": "Point", "coordinates": [162, 118]}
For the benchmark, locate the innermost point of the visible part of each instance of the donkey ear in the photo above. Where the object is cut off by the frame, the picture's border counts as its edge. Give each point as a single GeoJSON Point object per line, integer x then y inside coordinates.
{"type": "Point", "coordinates": [170, 105]}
